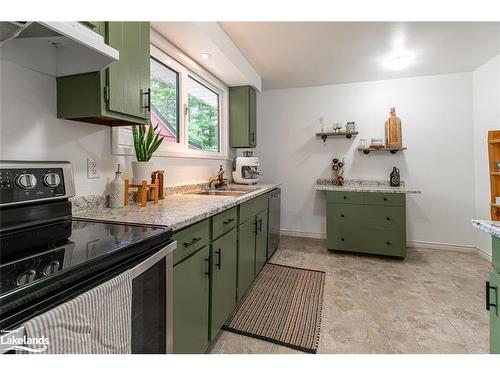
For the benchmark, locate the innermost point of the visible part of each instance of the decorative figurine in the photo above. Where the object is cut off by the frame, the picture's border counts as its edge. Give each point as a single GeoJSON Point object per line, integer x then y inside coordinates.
{"type": "Point", "coordinates": [338, 171]}
{"type": "Point", "coordinates": [395, 180]}
{"type": "Point", "coordinates": [393, 134]}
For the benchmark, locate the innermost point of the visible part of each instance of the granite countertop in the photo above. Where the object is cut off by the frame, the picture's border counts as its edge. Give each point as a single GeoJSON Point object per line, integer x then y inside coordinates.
{"type": "Point", "coordinates": [363, 186]}
{"type": "Point", "coordinates": [177, 210]}
{"type": "Point", "coordinates": [488, 226]}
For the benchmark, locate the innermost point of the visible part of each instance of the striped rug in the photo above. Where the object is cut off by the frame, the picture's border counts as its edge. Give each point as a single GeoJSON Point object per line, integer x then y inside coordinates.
{"type": "Point", "coordinates": [283, 305]}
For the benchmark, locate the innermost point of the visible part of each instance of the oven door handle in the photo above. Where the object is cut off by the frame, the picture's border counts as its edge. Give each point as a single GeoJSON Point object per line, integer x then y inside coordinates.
{"type": "Point", "coordinates": [152, 260]}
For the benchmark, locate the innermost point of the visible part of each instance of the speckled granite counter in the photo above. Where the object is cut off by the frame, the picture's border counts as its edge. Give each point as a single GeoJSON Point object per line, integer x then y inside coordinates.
{"type": "Point", "coordinates": [488, 226]}
{"type": "Point", "coordinates": [363, 186]}
{"type": "Point", "coordinates": [176, 211]}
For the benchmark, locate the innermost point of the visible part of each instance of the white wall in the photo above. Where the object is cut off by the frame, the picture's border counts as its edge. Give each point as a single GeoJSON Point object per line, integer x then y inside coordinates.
{"type": "Point", "coordinates": [30, 130]}
{"type": "Point", "coordinates": [486, 109]}
{"type": "Point", "coordinates": [436, 114]}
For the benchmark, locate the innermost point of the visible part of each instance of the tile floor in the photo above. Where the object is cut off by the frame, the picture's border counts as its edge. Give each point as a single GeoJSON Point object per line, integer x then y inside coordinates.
{"type": "Point", "coordinates": [432, 302]}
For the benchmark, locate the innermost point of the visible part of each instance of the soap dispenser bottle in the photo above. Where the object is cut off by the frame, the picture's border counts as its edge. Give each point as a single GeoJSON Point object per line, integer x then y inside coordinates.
{"type": "Point", "coordinates": [117, 195]}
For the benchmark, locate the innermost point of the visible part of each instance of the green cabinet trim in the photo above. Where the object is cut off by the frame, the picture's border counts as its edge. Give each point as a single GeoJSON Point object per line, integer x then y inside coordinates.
{"type": "Point", "coordinates": [242, 117]}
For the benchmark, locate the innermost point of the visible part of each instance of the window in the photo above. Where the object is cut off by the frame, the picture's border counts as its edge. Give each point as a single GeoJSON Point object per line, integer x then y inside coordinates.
{"type": "Point", "coordinates": [189, 105]}
{"type": "Point", "coordinates": [203, 117]}
{"type": "Point", "coordinates": [165, 100]}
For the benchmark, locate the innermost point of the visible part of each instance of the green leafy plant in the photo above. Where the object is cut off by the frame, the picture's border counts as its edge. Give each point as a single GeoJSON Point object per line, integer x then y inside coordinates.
{"type": "Point", "coordinates": [146, 142]}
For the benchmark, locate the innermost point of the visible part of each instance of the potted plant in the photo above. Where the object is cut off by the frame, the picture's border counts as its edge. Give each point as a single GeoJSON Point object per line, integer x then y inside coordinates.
{"type": "Point", "coordinates": [145, 144]}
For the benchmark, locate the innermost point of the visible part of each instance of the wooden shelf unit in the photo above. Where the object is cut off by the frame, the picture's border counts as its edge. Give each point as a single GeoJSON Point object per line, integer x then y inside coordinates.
{"type": "Point", "coordinates": [493, 158]}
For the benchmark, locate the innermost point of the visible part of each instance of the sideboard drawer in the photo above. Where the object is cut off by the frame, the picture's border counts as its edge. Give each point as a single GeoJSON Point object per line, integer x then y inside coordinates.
{"type": "Point", "coordinates": [385, 199]}
{"type": "Point", "coordinates": [344, 197]}
{"type": "Point", "coordinates": [385, 217]}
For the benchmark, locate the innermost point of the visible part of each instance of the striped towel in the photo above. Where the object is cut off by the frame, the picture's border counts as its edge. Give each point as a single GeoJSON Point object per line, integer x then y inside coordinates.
{"type": "Point", "coordinates": [96, 322]}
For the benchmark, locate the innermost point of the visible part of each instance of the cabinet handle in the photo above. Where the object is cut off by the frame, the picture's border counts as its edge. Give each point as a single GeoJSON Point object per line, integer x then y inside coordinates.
{"type": "Point", "coordinates": [341, 215]}
{"type": "Point", "coordinates": [148, 105]}
{"type": "Point", "coordinates": [192, 242]}
{"type": "Point", "coordinates": [228, 221]}
{"type": "Point", "coordinates": [208, 267]}
{"type": "Point", "coordinates": [488, 302]}
{"type": "Point", "coordinates": [218, 262]}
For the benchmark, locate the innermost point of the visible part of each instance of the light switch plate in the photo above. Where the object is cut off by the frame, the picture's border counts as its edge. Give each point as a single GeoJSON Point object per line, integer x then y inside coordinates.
{"type": "Point", "coordinates": [92, 169]}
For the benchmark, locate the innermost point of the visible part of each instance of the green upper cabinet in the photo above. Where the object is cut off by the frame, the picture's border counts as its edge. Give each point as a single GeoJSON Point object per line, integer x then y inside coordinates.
{"type": "Point", "coordinates": [242, 117]}
{"type": "Point", "coordinates": [118, 95]}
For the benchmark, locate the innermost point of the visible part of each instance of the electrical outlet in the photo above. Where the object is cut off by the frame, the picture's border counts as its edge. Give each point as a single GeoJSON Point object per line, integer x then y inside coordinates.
{"type": "Point", "coordinates": [92, 170]}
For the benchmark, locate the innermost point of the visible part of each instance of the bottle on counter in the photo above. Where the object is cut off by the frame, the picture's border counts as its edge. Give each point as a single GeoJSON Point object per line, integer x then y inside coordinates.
{"type": "Point", "coordinates": [117, 195]}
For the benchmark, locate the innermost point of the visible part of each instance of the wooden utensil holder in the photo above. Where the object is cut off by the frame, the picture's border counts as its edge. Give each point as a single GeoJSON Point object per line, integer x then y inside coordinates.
{"type": "Point", "coordinates": [142, 192]}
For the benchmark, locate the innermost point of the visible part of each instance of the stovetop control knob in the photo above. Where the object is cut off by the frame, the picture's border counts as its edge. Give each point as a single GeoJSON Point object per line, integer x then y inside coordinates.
{"type": "Point", "coordinates": [26, 277]}
{"type": "Point", "coordinates": [50, 268]}
{"type": "Point", "coordinates": [51, 180]}
{"type": "Point", "coordinates": [26, 181]}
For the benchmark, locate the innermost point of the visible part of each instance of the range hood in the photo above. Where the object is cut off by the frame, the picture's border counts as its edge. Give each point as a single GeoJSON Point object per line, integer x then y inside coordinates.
{"type": "Point", "coordinates": [55, 48]}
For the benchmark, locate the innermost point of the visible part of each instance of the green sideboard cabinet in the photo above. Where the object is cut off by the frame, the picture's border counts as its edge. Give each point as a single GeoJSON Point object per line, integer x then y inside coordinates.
{"type": "Point", "coordinates": [242, 117]}
{"type": "Point", "coordinates": [373, 223]}
{"type": "Point", "coordinates": [118, 95]}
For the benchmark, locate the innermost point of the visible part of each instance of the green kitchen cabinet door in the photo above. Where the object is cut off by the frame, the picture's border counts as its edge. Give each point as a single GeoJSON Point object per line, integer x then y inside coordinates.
{"type": "Point", "coordinates": [261, 242]}
{"type": "Point", "coordinates": [129, 77]}
{"type": "Point", "coordinates": [246, 255]}
{"type": "Point", "coordinates": [494, 293]}
{"type": "Point", "coordinates": [223, 300]}
{"type": "Point", "coordinates": [242, 117]}
{"type": "Point", "coordinates": [191, 303]}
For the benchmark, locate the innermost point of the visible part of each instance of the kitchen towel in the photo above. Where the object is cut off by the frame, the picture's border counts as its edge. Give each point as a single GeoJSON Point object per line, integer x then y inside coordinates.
{"type": "Point", "coordinates": [96, 322]}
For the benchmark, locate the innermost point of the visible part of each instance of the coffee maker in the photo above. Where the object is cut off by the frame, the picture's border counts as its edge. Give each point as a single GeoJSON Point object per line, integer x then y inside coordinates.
{"type": "Point", "coordinates": [245, 169]}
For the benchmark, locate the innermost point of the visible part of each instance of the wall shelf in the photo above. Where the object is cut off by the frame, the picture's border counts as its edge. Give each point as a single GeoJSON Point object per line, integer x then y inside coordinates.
{"type": "Point", "coordinates": [392, 150]}
{"type": "Point", "coordinates": [325, 135]}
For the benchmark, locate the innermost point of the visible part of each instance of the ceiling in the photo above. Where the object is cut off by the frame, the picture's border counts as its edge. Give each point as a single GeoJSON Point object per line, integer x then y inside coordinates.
{"type": "Point", "coordinates": [301, 54]}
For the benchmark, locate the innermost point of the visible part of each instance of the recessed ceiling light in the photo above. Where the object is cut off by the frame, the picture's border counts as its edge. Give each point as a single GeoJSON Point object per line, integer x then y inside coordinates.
{"type": "Point", "coordinates": [205, 56]}
{"type": "Point", "coordinates": [398, 62]}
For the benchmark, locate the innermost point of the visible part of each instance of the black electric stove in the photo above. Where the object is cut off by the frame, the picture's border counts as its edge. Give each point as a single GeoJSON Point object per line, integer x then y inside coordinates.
{"type": "Point", "coordinates": [46, 255]}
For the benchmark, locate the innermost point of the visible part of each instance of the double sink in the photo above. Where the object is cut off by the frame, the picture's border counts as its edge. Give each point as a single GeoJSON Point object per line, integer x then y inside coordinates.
{"type": "Point", "coordinates": [229, 190]}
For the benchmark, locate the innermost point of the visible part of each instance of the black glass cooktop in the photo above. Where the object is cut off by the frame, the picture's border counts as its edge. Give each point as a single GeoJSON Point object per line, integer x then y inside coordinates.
{"type": "Point", "coordinates": [30, 256]}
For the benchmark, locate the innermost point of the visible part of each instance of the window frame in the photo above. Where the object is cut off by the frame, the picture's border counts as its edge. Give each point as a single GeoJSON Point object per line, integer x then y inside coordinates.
{"type": "Point", "coordinates": [121, 144]}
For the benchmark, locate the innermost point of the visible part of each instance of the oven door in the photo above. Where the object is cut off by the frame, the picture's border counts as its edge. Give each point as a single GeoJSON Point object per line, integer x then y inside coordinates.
{"type": "Point", "coordinates": [152, 313]}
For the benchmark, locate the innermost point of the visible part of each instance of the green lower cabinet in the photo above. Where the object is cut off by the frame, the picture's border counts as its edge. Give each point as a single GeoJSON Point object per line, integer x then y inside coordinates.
{"type": "Point", "coordinates": [246, 255]}
{"type": "Point", "coordinates": [223, 288]}
{"type": "Point", "coordinates": [373, 223]}
{"type": "Point", "coordinates": [191, 303]}
{"type": "Point", "coordinates": [261, 241]}
{"type": "Point", "coordinates": [494, 293]}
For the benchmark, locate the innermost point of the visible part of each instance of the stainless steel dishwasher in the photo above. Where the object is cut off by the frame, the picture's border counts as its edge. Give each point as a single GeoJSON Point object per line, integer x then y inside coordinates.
{"type": "Point", "coordinates": [273, 235]}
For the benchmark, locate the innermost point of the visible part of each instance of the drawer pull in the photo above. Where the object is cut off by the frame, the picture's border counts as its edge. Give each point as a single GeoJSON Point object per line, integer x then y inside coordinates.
{"type": "Point", "coordinates": [228, 221]}
{"type": "Point", "coordinates": [218, 262]}
{"type": "Point", "coordinates": [192, 242]}
{"type": "Point", "coordinates": [341, 215]}
{"type": "Point", "coordinates": [488, 302]}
